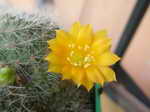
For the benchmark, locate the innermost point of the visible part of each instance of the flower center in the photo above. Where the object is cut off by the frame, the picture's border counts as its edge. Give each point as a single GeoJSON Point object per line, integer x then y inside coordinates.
{"type": "Point", "coordinates": [79, 57]}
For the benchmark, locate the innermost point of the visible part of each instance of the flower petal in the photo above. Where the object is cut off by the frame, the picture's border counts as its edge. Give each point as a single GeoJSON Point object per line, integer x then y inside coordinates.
{"type": "Point", "coordinates": [94, 75]}
{"type": "Point", "coordinates": [77, 75]}
{"type": "Point", "coordinates": [108, 74]}
{"type": "Point", "coordinates": [66, 73]}
{"type": "Point", "coordinates": [51, 43]}
{"type": "Point", "coordinates": [108, 59]}
{"type": "Point", "coordinates": [54, 68]}
{"type": "Point", "coordinates": [75, 29]}
{"type": "Point", "coordinates": [85, 38]}
{"type": "Point", "coordinates": [100, 46]}
{"type": "Point", "coordinates": [88, 84]}
{"type": "Point", "coordinates": [62, 36]}
{"type": "Point", "coordinates": [52, 58]}
{"type": "Point", "coordinates": [100, 34]}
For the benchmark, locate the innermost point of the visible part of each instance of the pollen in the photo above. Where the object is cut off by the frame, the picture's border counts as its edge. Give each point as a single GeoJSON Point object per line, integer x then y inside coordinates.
{"type": "Point", "coordinates": [80, 59]}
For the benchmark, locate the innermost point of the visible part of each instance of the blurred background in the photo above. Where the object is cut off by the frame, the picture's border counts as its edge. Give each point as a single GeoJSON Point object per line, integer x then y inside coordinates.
{"type": "Point", "coordinates": [113, 16]}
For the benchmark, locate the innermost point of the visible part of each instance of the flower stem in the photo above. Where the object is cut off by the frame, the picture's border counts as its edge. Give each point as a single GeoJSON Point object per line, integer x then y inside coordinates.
{"type": "Point", "coordinates": [98, 92]}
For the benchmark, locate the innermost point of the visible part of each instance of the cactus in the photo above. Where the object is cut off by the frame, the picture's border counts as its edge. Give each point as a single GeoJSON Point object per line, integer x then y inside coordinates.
{"type": "Point", "coordinates": [23, 46]}
{"type": "Point", "coordinates": [23, 42]}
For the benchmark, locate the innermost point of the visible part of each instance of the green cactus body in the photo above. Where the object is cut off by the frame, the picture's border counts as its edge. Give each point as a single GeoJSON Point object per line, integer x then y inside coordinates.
{"type": "Point", "coordinates": [23, 42]}
{"type": "Point", "coordinates": [23, 46]}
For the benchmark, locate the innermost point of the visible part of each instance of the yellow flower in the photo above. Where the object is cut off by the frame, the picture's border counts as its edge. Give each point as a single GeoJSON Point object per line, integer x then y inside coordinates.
{"type": "Point", "coordinates": [82, 55]}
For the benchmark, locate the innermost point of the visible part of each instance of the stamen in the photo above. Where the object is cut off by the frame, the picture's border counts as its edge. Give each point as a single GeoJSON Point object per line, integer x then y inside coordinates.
{"type": "Point", "coordinates": [79, 47]}
{"type": "Point", "coordinates": [86, 65]}
{"type": "Point", "coordinates": [72, 52]}
{"type": "Point", "coordinates": [86, 47]}
{"type": "Point", "coordinates": [79, 60]}
{"type": "Point", "coordinates": [71, 45]}
{"type": "Point", "coordinates": [68, 59]}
